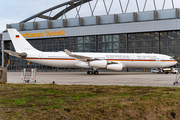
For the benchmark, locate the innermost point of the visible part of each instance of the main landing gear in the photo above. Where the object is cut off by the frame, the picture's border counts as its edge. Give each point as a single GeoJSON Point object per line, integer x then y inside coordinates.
{"type": "Point", "coordinates": [90, 72]}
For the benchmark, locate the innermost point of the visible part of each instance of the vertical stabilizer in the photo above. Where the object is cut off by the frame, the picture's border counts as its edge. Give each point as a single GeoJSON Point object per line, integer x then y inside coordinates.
{"type": "Point", "coordinates": [19, 42]}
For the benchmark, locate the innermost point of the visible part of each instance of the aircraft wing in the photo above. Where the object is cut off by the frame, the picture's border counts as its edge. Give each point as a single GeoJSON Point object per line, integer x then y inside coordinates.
{"type": "Point", "coordinates": [85, 58]}
{"type": "Point", "coordinates": [16, 54]}
{"type": "Point", "coordinates": [80, 57]}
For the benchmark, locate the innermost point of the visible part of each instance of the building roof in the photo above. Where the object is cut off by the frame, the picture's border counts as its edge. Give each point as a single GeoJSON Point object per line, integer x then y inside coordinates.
{"type": "Point", "coordinates": [63, 8]}
{"type": "Point", "coordinates": [72, 4]}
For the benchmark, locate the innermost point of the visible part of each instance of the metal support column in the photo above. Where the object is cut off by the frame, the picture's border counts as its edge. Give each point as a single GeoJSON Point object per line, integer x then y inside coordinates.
{"type": "Point", "coordinates": [127, 43]}
{"type": "Point", "coordinates": [163, 4]}
{"type": "Point", "coordinates": [49, 16]}
{"type": "Point", "coordinates": [97, 44]}
{"type": "Point", "coordinates": [144, 5]}
{"type": "Point", "coordinates": [121, 6]}
{"type": "Point", "coordinates": [110, 7]}
{"type": "Point", "coordinates": [158, 42]}
{"type": "Point", "coordinates": [173, 4]}
{"type": "Point", "coordinates": [137, 5]}
{"type": "Point", "coordinates": [92, 10]}
{"type": "Point", "coordinates": [79, 9]}
{"type": "Point", "coordinates": [105, 7]}
{"type": "Point", "coordinates": [2, 50]}
{"type": "Point", "coordinates": [127, 70]}
{"type": "Point", "coordinates": [154, 4]}
{"type": "Point", "coordinates": [127, 5]}
{"type": "Point", "coordinates": [64, 13]}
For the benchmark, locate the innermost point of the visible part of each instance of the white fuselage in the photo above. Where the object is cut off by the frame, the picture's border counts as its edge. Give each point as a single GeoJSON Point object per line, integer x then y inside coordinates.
{"type": "Point", "coordinates": [129, 60]}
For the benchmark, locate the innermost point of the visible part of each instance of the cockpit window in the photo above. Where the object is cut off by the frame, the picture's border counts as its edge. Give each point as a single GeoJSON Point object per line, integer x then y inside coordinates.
{"type": "Point", "coordinates": [171, 58]}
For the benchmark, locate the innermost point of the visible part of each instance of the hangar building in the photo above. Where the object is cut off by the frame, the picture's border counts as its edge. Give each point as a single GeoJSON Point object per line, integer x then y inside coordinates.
{"type": "Point", "coordinates": [156, 31]}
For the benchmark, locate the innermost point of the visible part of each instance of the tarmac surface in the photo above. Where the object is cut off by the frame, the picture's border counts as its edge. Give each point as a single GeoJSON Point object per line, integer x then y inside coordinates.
{"type": "Point", "coordinates": [104, 78]}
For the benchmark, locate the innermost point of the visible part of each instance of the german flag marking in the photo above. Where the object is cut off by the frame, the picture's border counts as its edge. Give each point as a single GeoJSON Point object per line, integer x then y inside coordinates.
{"type": "Point", "coordinates": [17, 36]}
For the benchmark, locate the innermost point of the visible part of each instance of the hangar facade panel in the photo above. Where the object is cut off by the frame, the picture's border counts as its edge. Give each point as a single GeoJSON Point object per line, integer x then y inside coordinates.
{"type": "Point", "coordinates": [147, 26]}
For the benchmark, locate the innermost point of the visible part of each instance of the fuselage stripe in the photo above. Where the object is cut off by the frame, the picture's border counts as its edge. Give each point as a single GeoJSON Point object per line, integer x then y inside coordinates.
{"type": "Point", "coordinates": [122, 60]}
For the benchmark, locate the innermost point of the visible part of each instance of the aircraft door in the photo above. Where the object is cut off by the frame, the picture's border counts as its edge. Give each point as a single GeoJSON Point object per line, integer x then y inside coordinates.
{"type": "Point", "coordinates": [131, 58]}
{"type": "Point", "coordinates": [163, 59]}
{"type": "Point", "coordinates": [41, 56]}
{"type": "Point", "coordinates": [158, 62]}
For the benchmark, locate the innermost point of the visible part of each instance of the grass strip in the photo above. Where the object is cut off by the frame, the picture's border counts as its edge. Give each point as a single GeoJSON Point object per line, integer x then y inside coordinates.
{"type": "Point", "coordinates": [64, 102]}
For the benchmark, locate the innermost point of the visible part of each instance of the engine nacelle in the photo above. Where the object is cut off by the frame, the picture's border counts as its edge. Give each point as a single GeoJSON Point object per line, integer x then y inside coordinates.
{"type": "Point", "coordinates": [117, 67]}
{"type": "Point", "coordinates": [98, 64]}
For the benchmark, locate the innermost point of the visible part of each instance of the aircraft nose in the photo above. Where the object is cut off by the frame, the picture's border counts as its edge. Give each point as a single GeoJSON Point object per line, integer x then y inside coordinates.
{"type": "Point", "coordinates": [175, 62]}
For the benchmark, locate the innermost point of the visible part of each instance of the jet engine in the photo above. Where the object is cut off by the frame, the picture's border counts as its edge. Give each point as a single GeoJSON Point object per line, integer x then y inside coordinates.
{"type": "Point", "coordinates": [104, 64]}
{"type": "Point", "coordinates": [117, 67]}
{"type": "Point", "coordinates": [98, 64]}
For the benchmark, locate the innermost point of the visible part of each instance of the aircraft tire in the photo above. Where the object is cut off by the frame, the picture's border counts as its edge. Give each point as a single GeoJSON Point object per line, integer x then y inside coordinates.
{"type": "Point", "coordinates": [96, 72]}
{"type": "Point", "coordinates": [90, 72]}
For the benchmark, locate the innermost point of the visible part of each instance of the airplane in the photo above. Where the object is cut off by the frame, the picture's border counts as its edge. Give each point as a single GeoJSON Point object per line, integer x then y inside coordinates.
{"type": "Point", "coordinates": [92, 61]}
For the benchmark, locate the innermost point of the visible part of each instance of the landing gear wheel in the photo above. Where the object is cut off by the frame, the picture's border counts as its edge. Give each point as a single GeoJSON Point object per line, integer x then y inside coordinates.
{"type": "Point", "coordinates": [174, 83]}
{"type": "Point", "coordinates": [96, 72]}
{"type": "Point", "coordinates": [166, 72]}
{"type": "Point", "coordinates": [90, 72]}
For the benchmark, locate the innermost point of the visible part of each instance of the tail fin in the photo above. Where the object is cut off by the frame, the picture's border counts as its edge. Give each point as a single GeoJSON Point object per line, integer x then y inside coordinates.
{"type": "Point", "coordinates": [19, 42]}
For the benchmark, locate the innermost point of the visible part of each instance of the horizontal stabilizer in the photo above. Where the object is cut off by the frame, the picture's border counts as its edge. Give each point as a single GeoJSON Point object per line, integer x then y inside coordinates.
{"type": "Point", "coordinates": [16, 54]}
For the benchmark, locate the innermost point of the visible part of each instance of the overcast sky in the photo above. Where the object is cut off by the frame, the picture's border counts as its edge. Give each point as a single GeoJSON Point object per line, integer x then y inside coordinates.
{"type": "Point", "coordinates": [14, 11]}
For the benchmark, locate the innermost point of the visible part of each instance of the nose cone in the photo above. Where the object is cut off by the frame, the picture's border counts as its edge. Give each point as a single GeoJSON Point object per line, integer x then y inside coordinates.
{"type": "Point", "coordinates": [174, 62]}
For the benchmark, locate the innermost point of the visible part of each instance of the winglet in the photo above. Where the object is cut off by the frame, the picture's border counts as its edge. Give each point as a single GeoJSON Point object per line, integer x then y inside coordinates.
{"type": "Point", "coordinates": [68, 52]}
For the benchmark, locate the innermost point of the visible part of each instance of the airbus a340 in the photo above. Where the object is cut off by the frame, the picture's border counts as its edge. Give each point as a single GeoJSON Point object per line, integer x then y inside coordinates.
{"type": "Point", "coordinates": [93, 61]}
